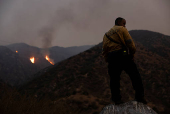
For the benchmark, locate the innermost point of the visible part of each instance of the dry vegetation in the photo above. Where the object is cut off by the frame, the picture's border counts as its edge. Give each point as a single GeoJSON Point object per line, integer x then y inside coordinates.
{"type": "Point", "coordinates": [81, 83]}
{"type": "Point", "coordinates": [12, 102]}
{"type": "Point", "coordinates": [86, 75]}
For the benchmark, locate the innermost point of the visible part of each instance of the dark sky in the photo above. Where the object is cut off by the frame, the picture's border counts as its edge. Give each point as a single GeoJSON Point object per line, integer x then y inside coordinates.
{"type": "Point", "coordinates": [65, 23]}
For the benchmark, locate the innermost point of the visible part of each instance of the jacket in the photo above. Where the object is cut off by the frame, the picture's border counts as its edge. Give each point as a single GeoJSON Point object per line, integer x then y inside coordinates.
{"type": "Point", "coordinates": [123, 40]}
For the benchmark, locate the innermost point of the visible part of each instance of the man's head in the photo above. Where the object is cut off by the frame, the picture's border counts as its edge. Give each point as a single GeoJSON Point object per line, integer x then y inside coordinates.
{"type": "Point", "coordinates": [120, 22]}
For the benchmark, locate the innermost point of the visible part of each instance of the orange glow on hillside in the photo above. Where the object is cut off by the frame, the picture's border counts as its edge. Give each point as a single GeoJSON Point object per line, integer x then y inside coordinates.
{"type": "Point", "coordinates": [48, 59]}
{"type": "Point", "coordinates": [32, 59]}
{"type": "Point", "coordinates": [16, 51]}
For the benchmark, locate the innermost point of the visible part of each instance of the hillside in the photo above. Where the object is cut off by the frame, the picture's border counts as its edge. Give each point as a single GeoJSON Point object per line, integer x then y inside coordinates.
{"type": "Point", "coordinates": [26, 52]}
{"type": "Point", "coordinates": [14, 69]}
{"type": "Point", "coordinates": [56, 53]}
{"type": "Point", "coordinates": [153, 41]}
{"type": "Point", "coordinates": [82, 80]}
{"type": "Point", "coordinates": [4, 86]}
{"type": "Point", "coordinates": [60, 53]}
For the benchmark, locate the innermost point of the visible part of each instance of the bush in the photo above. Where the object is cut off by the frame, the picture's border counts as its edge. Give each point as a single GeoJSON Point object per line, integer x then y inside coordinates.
{"type": "Point", "coordinates": [12, 102]}
{"type": "Point", "coordinates": [93, 105]}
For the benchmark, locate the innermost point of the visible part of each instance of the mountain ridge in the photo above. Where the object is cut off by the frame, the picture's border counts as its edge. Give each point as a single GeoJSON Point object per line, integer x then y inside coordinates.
{"type": "Point", "coordinates": [16, 67]}
{"type": "Point", "coordinates": [83, 78]}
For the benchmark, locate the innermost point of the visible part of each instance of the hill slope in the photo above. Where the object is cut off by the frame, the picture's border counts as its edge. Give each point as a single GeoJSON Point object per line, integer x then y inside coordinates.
{"type": "Point", "coordinates": [56, 53]}
{"type": "Point", "coordinates": [14, 69]}
{"type": "Point", "coordinates": [59, 53]}
{"type": "Point", "coordinates": [82, 80]}
{"type": "Point", "coordinates": [153, 41]}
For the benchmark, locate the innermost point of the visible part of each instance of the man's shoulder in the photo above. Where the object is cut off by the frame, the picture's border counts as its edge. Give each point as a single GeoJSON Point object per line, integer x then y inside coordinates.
{"type": "Point", "coordinates": [122, 29]}
{"type": "Point", "coordinates": [118, 28]}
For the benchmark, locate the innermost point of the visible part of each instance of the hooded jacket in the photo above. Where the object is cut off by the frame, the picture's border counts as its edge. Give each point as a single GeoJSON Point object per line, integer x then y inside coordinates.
{"type": "Point", "coordinates": [122, 40]}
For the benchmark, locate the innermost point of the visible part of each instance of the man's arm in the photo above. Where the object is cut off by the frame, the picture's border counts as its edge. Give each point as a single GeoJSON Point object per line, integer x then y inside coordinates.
{"type": "Point", "coordinates": [129, 42]}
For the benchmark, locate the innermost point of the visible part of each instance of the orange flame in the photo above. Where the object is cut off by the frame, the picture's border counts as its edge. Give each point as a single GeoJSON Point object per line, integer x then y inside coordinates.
{"type": "Point", "coordinates": [32, 59]}
{"type": "Point", "coordinates": [16, 51]}
{"type": "Point", "coordinates": [48, 59]}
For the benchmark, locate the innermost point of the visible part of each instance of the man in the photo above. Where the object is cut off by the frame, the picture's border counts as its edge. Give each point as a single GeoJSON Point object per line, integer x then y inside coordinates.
{"type": "Point", "coordinates": [118, 51]}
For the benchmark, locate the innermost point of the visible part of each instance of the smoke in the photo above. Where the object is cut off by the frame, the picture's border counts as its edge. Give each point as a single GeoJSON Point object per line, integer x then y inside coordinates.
{"type": "Point", "coordinates": [72, 15]}
{"type": "Point", "coordinates": [46, 23]}
{"type": "Point", "coordinates": [48, 32]}
{"type": "Point", "coordinates": [61, 16]}
{"type": "Point", "coordinates": [39, 22]}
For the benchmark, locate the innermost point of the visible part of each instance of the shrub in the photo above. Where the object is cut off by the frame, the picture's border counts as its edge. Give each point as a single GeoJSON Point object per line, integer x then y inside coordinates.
{"type": "Point", "coordinates": [12, 102]}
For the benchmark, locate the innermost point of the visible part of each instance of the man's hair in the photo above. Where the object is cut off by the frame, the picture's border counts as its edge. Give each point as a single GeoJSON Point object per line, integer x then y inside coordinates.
{"type": "Point", "coordinates": [119, 19]}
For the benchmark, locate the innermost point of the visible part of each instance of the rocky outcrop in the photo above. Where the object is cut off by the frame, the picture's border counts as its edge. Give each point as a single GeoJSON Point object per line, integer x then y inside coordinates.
{"type": "Point", "coordinates": [131, 107]}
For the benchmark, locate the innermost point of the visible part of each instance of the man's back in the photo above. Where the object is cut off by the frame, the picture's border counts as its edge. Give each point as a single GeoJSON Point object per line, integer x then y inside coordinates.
{"type": "Point", "coordinates": [115, 42]}
{"type": "Point", "coordinates": [122, 40]}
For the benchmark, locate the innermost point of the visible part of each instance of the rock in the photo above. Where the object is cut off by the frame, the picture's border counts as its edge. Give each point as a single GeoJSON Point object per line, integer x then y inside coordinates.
{"type": "Point", "coordinates": [131, 107]}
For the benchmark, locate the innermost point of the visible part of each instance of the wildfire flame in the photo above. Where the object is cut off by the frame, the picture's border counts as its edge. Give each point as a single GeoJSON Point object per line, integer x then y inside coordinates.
{"type": "Point", "coordinates": [48, 59]}
{"type": "Point", "coordinates": [16, 51]}
{"type": "Point", "coordinates": [32, 59]}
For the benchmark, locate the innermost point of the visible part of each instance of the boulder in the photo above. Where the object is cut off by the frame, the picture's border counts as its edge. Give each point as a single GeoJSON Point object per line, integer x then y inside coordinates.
{"type": "Point", "coordinates": [131, 107]}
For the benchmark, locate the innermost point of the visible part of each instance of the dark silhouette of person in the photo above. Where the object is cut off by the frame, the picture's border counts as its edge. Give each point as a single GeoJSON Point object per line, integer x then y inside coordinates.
{"type": "Point", "coordinates": [118, 51]}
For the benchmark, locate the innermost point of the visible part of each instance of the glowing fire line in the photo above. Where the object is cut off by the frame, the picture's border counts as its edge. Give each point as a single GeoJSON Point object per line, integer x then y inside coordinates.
{"type": "Point", "coordinates": [48, 59]}
{"type": "Point", "coordinates": [32, 59]}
